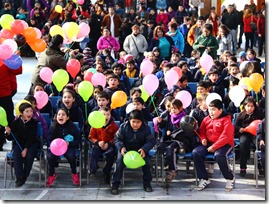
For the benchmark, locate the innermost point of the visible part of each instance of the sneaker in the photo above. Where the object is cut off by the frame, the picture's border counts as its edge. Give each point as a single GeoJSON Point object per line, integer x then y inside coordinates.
{"type": "Point", "coordinates": [202, 184]}
{"type": "Point", "coordinates": [210, 168]}
{"type": "Point", "coordinates": [75, 178]}
{"type": "Point", "coordinates": [147, 188]}
{"type": "Point", "coordinates": [19, 182]}
{"type": "Point", "coordinates": [51, 180]}
{"type": "Point", "coordinates": [92, 175]}
{"type": "Point", "coordinates": [230, 184]}
{"type": "Point", "coordinates": [243, 172]}
{"type": "Point", "coordinates": [114, 190]}
{"type": "Point", "coordinates": [171, 175]}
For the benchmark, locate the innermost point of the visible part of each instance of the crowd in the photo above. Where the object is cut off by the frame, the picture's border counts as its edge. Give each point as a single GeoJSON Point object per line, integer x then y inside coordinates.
{"type": "Point", "coordinates": [169, 34]}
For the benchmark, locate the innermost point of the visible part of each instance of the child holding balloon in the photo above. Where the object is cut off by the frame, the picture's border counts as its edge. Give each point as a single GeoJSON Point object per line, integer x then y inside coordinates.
{"type": "Point", "coordinates": [249, 113]}
{"type": "Point", "coordinates": [62, 127]}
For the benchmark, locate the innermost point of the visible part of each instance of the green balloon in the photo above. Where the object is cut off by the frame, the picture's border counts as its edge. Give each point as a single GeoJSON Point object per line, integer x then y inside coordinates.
{"type": "Point", "coordinates": [96, 119]}
{"type": "Point", "coordinates": [3, 117]}
{"type": "Point", "coordinates": [85, 90]}
{"type": "Point", "coordinates": [133, 160]}
{"type": "Point", "coordinates": [6, 20]}
{"type": "Point", "coordinates": [93, 70]}
{"type": "Point", "coordinates": [60, 78]}
{"type": "Point", "coordinates": [144, 94]}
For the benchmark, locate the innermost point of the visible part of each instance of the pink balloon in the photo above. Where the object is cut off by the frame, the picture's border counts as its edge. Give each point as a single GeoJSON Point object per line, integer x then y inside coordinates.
{"type": "Point", "coordinates": [5, 51]}
{"type": "Point", "coordinates": [206, 62]}
{"type": "Point", "coordinates": [171, 78]}
{"type": "Point", "coordinates": [41, 99]}
{"type": "Point", "coordinates": [46, 74]}
{"type": "Point", "coordinates": [80, 2]}
{"type": "Point", "coordinates": [99, 79]}
{"type": "Point", "coordinates": [185, 97]}
{"type": "Point", "coordinates": [155, 123]}
{"type": "Point", "coordinates": [38, 33]}
{"type": "Point", "coordinates": [25, 24]}
{"type": "Point", "coordinates": [150, 83]}
{"type": "Point", "coordinates": [13, 45]}
{"type": "Point", "coordinates": [84, 30]}
{"type": "Point", "coordinates": [146, 67]}
{"type": "Point", "coordinates": [58, 147]}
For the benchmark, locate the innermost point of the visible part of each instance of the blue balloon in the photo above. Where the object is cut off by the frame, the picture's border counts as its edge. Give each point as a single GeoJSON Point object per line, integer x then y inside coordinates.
{"type": "Point", "coordinates": [14, 62]}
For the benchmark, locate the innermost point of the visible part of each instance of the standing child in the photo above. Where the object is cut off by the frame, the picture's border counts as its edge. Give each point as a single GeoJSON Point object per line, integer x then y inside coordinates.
{"type": "Point", "coordinates": [62, 127]}
{"type": "Point", "coordinates": [133, 135]}
{"type": "Point", "coordinates": [25, 148]}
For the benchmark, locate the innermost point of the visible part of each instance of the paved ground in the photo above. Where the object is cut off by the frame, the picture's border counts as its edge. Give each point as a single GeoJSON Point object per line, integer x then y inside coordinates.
{"type": "Point", "coordinates": [181, 189]}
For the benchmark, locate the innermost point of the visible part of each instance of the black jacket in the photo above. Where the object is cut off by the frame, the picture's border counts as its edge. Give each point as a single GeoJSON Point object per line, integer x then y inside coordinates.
{"type": "Point", "coordinates": [199, 115]}
{"type": "Point", "coordinates": [230, 20]}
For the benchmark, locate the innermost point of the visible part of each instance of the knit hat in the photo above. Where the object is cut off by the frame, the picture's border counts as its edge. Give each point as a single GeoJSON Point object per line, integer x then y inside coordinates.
{"type": "Point", "coordinates": [242, 54]}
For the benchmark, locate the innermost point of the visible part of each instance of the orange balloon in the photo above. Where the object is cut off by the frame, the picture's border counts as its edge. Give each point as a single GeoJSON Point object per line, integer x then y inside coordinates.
{"type": "Point", "coordinates": [252, 127]}
{"type": "Point", "coordinates": [38, 45]}
{"type": "Point", "coordinates": [118, 99]}
{"type": "Point", "coordinates": [256, 81]}
{"type": "Point", "coordinates": [29, 34]}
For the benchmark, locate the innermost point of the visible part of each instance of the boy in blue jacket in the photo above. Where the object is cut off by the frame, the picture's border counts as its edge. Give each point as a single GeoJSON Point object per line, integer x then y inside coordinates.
{"type": "Point", "coordinates": [135, 135]}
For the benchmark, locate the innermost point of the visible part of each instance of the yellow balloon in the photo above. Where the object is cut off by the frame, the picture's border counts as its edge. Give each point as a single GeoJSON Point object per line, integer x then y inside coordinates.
{"type": "Point", "coordinates": [118, 99]}
{"type": "Point", "coordinates": [58, 9]}
{"type": "Point", "coordinates": [72, 30]}
{"type": "Point", "coordinates": [6, 20]}
{"type": "Point", "coordinates": [17, 112]}
{"type": "Point", "coordinates": [245, 81]}
{"type": "Point", "coordinates": [144, 94]}
{"type": "Point", "coordinates": [75, 1]}
{"type": "Point", "coordinates": [56, 30]}
{"type": "Point", "coordinates": [256, 81]}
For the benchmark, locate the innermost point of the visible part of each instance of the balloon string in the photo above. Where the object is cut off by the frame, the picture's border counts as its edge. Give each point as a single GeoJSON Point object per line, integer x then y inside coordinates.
{"type": "Point", "coordinates": [257, 99]}
{"type": "Point", "coordinates": [85, 111]}
{"type": "Point", "coordinates": [51, 89]}
{"type": "Point", "coordinates": [198, 134]}
{"type": "Point", "coordinates": [16, 140]}
{"type": "Point", "coordinates": [154, 106]}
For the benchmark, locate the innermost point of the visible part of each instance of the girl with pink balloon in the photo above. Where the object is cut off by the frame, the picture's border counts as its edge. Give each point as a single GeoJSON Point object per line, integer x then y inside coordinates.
{"type": "Point", "coordinates": [60, 145]}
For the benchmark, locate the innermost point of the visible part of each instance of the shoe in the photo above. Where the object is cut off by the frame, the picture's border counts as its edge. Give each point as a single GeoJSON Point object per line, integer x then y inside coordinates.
{"type": "Point", "coordinates": [261, 172]}
{"type": "Point", "coordinates": [171, 175]}
{"type": "Point", "coordinates": [75, 179]}
{"type": "Point", "coordinates": [210, 168]}
{"type": "Point", "coordinates": [19, 182]}
{"type": "Point", "coordinates": [202, 184]}
{"type": "Point", "coordinates": [181, 151]}
{"type": "Point", "coordinates": [147, 188]}
{"type": "Point", "coordinates": [230, 185]}
{"type": "Point", "coordinates": [92, 175]}
{"type": "Point", "coordinates": [51, 180]}
{"type": "Point", "coordinates": [243, 172]}
{"type": "Point", "coordinates": [107, 178]}
{"type": "Point", "coordinates": [114, 190]}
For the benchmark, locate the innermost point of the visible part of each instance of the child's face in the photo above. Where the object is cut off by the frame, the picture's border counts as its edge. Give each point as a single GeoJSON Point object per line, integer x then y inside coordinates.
{"type": "Point", "coordinates": [27, 114]}
{"type": "Point", "coordinates": [122, 54]}
{"type": "Point", "coordinates": [174, 58]}
{"type": "Point", "coordinates": [113, 83]}
{"type": "Point", "coordinates": [38, 88]}
{"type": "Point", "coordinates": [249, 108]}
{"type": "Point", "coordinates": [137, 106]}
{"type": "Point", "coordinates": [135, 124]}
{"type": "Point", "coordinates": [117, 70]}
{"type": "Point", "coordinates": [214, 112]}
{"type": "Point", "coordinates": [206, 32]}
{"type": "Point", "coordinates": [99, 68]}
{"type": "Point", "coordinates": [234, 71]}
{"type": "Point", "coordinates": [175, 110]}
{"type": "Point", "coordinates": [201, 89]}
{"type": "Point", "coordinates": [130, 66]}
{"type": "Point", "coordinates": [213, 78]}
{"type": "Point", "coordinates": [168, 106]}
{"type": "Point", "coordinates": [107, 115]}
{"type": "Point", "coordinates": [102, 102]}
{"type": "Point", "coordinates": [165, 69]}
{"type": "Point", "coordinates": [183, 84]}
{"type": "Point", "coordinates": [151, 56]}
{"type": "Point", "coordinates": [184, 68]}
{"type": "Point", "coordinates": [68, 99]}
{"type": "Point", "coordinates": [62, 117]}
{"type": "Point", "coordinates": [250, 56]}
{"type": "Point", "coordinates": [226, 57]}
{"type": "Point", "coordinates": [156, 53]}
{"type": "Point", "coordinates": [135, 95]}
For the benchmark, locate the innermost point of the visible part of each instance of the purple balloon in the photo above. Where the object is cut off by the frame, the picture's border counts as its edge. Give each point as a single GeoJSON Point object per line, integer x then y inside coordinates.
{"type": "Point", "coordinates": [14, 62]}
{"type": "Point", "coordinates": [150, 83]}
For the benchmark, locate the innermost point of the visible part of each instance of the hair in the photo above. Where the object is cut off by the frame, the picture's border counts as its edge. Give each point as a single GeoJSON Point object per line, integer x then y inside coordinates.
{"type": "Point", "coordinates": [252, 51]}
{"type": "Point", "coordinates": [249, 99]}
{"type": "Point", "coordinates": [225, 29]}
{"type": "Point", "coordinates": [172, 25]}
{"type": "Point", "coordinates": [130, 61]}
{"type": "Point", "coordinates": [71, 91]}
{"type": "Point", "coordinates": [23, 106]}
{"type": "Point", "coordinates": [183, 78]}
{"type": "Point", "coordinates": [136, 114]}
{"type": "Point", "coordinates": [103, 94]}
{"type": "Point", "coordinates": [203, 83]}
{"type": "Point", "coordinates": [208, 26]}
{"type": "Point", "coordinates": [210, 17]}
{"type": "Point", "coordinates": [233, 58]}
{"type": "Point", "coordinates": [213, 70]}
{"type": "Point", "coordinates": [216, 103]}
{"type": "Point", "coordinates": [113, 76]}
{"type": "Point", "coordinates": [202, 97]}
{"type": "Point", "coordinates": [247, 12]}
{"type": "Point", "coordinates": [108, 72]}
{"type": "Point", "coordinates": [116, 65]}
{"type": "Point", "coordinates": [106, 28]}
{"type": "Point", "coordinates": [35, 85]}
{"type": "Point", "coordinates": [30, 98]}
{"type": "Point", "coordinates": [201, 18]}
{"type": "Point", "coordinates": [139, 100]}
{"type": "Point", "coordinates": [169, 99]}
{"type": "Point", "coordinates": [135, 89]}
{"type": "Point", "coordinates": [234, 80]}
{"type": "Point", "coordinates": [177, 103]}
{"type": "Point", "coordinates": [194, 52]}
{"type": "Point", "coordinates": [181, 63]}
{"type": "Point", "coordinates": [156, 29]}
{"type": "Point", "coordinates": [170, 65]}
{"type": "Point", "coordinates": [104, 108]}
{"type": "Point", "coordinates": [84, 68]}
{"type": "Point", "coordinates": [99, 87]}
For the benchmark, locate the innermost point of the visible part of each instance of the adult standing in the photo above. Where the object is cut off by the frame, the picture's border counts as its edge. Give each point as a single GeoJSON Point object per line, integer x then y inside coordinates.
{"type": "Point", "coordinates": [215, 21]}
{"type": "Point", "coordinates": [177, 36]}
{"type": "Point", "coordinates": [249, 18]}
{"type": "Point", "coordinates": [195, 31]}
{"type": "Point", "coordinates": [113, 22]}
{"type": "Point", "coordinates": [261, 31]}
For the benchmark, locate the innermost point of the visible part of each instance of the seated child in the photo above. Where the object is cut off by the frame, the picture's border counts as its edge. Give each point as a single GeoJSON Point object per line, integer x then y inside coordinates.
{"type": "Point", "coordinates": [261, 139]}
{"type": "Point", "coordinates": [124, 81]}
{"type": "Point", "coordinates": [217, 86]}
{"type": "Point", "coordinates": [113, 82]}
{"type": "Point", "coordinates": [131, 70]}
{"type": "Point", "coordinates": [139, 104]}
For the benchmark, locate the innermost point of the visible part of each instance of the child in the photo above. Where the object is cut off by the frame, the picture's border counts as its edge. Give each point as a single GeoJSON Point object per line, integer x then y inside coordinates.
{"type": "Point", "coordinates": [131, 70]}
{"type": "Point", "coordinates": [202, 87]}
{"type": "Point", "coordinates": [62, 127]}
{"type": "Point", "coordinates": [185, 70]}
{"type": "Point", "coordinates": [192, 64]}
{"type": "Point", "coordinates": [217, 86]}
{"type": "Point", "coordinates": [175, 57]}
{"type": "Point", "coordinates": [139, 104]}
{"type": "Point", "coordinates": [113, 82]}
{"type": "Point", "coordinates": [124, 81]}
{"type": "Point", "coordinates": [103, 144]}
{"type": "Point", "coordinates": [92, 103]}
{"type": "Point", "coordinates": [133, 135]}
{"type": "Point", "coordinates": [249, 113]}
{"type": "Point", "coordinates": [216, 135]}
{"type": "Point", "coordinates": [25, 150]}
{"type": "Point", "coordinates": [261, 139]}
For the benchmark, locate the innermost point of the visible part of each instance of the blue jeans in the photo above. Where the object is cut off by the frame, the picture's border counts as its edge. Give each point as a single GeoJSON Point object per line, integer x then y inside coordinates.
{"type": "Point", "coordinates": [233, 33]}
{"type": "Point", "coordinates": [220, 155]}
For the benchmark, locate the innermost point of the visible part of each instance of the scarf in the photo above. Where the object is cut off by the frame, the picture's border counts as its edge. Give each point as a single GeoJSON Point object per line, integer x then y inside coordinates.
{"type": "Point", "coordinates": [175, 119]}
{"type": "Point", "coordinates": [130, 74]}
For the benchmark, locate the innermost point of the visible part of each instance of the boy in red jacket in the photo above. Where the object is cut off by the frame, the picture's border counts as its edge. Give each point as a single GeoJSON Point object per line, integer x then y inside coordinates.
{"type": "Point", "coordinates": [216, 134]}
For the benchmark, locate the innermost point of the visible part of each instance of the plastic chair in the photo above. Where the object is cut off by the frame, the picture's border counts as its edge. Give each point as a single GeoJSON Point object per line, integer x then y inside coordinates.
{"type": "Point", "coordinates": [193, 87]}
{"type": "Point", "coordinates": [54, 102]}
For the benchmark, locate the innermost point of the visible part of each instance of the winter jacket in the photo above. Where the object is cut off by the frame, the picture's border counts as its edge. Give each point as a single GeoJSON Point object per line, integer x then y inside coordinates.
{"type": "Point", "coordinates": [247, 22]}
{"type": "Point", "coordinates": [132, 43]}
{"type": "Point", "coordinates": [261, 26]}
{"type": "Point", "coordinates": [207, 41]}
{"type": "Point", "coordinates": [155, 43]}
{"type": "Point", "coordinates": [199, 115]}
{"type": "Point", "coordinates": [178, 40]}
{"type": "Point", "coordinates": [39, 117]}
{"type": "Point", "coordinates": [230, 20]}
{"type": "Point", "coordinates": [225, 43]}
{"type": "Point", "coordinates": [117, 23]}
{"type": "Point", "coordinates": [108, 43]}
{"type": "Point", "coordinates": [193, 34]}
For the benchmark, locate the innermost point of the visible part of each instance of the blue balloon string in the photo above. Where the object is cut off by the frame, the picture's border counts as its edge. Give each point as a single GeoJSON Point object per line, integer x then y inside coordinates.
{"type": "Point", "coordinates": [16, 140]}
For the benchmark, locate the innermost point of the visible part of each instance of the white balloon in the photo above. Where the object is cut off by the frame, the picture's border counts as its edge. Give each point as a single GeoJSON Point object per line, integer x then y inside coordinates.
{"type": "Point", "coordinates": [129, 108]}
{"type": "Point", "coordinates": [211, 97]}
{"type": "Point", "coordinates": [237, 95]}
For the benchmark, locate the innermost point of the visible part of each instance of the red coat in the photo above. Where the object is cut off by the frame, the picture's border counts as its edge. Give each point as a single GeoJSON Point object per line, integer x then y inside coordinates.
{"type": "Point", "coordinates": [261, 26]}
{"type": "Point", "coordinates": [247, 22]}
{"type": "Point", "coordinates": [218, 132]}
{"type": "Point", "coordinates": [164, 18]}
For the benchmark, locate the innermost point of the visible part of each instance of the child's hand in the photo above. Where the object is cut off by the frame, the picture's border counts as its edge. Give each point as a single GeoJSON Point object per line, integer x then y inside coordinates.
{"type": "Point", "coordinates": [262, 143]}
{"type": "Point", "coordinates": [142, 153]}
{"type": "Point", "coordinates": [105, 146]}
{"type": "Point", "coordinates": [241, 130]}
{"type": "Point", "coordinates": [211, 149]}
{"type": "Point", "coordinates": [168, 132]}
{"type": "Point", "coordinates": [123, 151]}
{"type": "Point", "coordinates": [101, 144]}
{"type": "Point", "coordinates": [24, 152]}
{"type": "Point", "coordinates": [204, 142]}
{"type": "Point", "coordinates": [8, 130]}
{"type": "Point", "coordinates": [159, 119]}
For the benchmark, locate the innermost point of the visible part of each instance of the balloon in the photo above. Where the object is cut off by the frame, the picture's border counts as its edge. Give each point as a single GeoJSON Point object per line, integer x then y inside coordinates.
{"type": "Point", "coordinates": [56, 30]}
{"type": "Point", "coordinates": [38, 45]}
{"type": "Point", "coordinates": [88, 76]}
{"type": "Point", "coordinates": [237, 95]}
{"type": "Point", "coordinates": [13, 45]}
{"type": "Point", "coordinates": [25, 24]}
{"type": "Point", "coordinates": [206, 62]}
{"type": "Point", "coordinates": [99, 79]}
{"type": "Point", "coordinates": [85, 90]}
{"type": "Point", "coordinates": [246, 68]}
{"type": "Point", "coordinates": [93, 70]}
{"type": "Point", "coordinates": [5, 51]}
{"type": "Point", "coordinates": [29, 34]}
{"type": "Point", "coordinates": [7, 34]}
{"type": "Point", "coordinates": [80, 2]}
{"type": "Point", "coordinates": [96, 119]}
{"type": "Point", "coordinates": [212, 96]}
{"type": "Point", "coordinates": [17, 112]}
{"type": "Point", "coordinates": [58, 9]}
{"type": "Point", "coordinates": [60, 78]}
{"type": "Point", "coordinates": [179, 71]}
{"type": "Point", "coordinates": [155, 123]}
{"type": "Point", "coordinates": [6, 20]}
{"type": "Point", "coordinates": [71, 29]}
{"type": "Point", "coordinates": [150, 83]}
{"type": "Point", "coordinates": [20, 40]}
{"type": "Point", "coordinates": [171, 78]}
{"type": "Point", "coordinates": [127, 57]}
{"type": "Point", "coordinates": [14, 62]}
{"type": "Point", "coordinates": [132, 159]}
{"type": "Point", "coordinates": [41, 99]}
{"type": "Point", "coordinates": [185, 97]}
{"type": "Point", "coordinates": [46, 74]}
{"type": "Point", "coordinates": [118, 99]}
{"type": "Point", "coordinates": [129, 108]}
{"type": "Point", "coordinates": [245, 81]}
{"type": "Point", "coordinates": [3, 117]}
{"type": "Point", "coordinates": [17, 26]}
{"type": "Point", "coordinates": [73, 67]}
{"type": "Point", "coordinates": [38, 33]}
{"type": "Point", "coordinates": [146, 67]}
{"type": "Point", "coordinates": [58, 147]}
{"type": "Point", "coordinates": [84, 30]}
{"type": "Point", "coordinates": [256, 81]}
{"type": "Point", "coordinates": [252, 127]}
{"type": "Point", "coordinates": [188, 124]}
{"type": "Point", "coordinates": [144, 94]}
